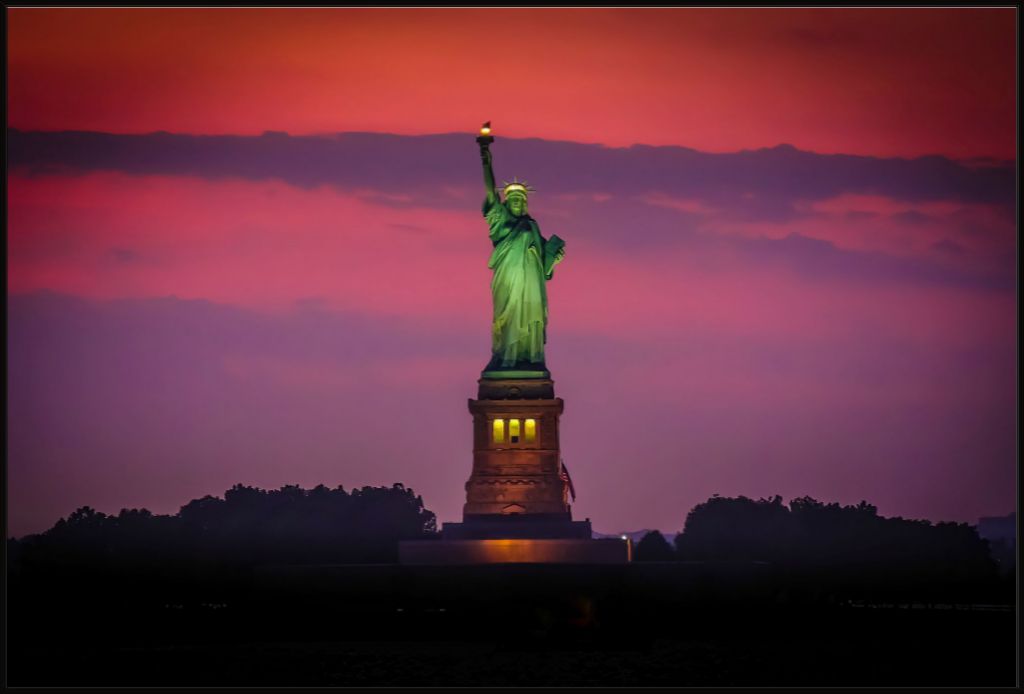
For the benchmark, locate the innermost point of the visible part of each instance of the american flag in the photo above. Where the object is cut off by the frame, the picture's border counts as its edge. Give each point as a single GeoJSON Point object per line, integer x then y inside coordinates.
{"type": "Point", "coordinates": [563, 473]}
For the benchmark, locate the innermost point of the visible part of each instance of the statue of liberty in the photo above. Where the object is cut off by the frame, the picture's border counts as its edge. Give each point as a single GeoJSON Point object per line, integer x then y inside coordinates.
{"type": "Point", "coordinates": [522, 261]}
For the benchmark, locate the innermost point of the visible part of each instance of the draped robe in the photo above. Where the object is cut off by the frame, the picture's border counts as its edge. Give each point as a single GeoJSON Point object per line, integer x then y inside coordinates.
{"type": "Point", "coordinates": [519, 326]}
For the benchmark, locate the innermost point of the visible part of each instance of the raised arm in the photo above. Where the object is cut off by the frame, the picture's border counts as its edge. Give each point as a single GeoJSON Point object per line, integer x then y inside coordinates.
{"type": "Point", "coordinates": [485, 156]}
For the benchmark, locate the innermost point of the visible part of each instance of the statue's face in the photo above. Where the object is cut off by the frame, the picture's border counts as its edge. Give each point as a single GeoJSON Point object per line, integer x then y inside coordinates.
{"type": "Point", "coordinates": [517, 205]}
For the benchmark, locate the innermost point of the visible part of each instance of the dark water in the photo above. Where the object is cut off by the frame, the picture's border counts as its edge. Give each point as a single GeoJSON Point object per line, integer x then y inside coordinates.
{"type": "Point", "coordinates": [570, 626]}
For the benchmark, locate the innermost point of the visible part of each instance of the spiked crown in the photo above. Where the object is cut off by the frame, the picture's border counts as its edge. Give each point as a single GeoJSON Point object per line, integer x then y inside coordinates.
{"type": "Point", "coordinates": [517, 187]}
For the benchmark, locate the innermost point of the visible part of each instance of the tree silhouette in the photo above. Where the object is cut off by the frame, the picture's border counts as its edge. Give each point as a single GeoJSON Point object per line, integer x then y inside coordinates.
{"type": "Point", "coordinates": [653, 547]}
{"type": "Point", "coordinates": [249, 526]}
{"type": "Point", "coordinates": [740, 528]}
{"type": "Point", "coordinates": [844, 546]}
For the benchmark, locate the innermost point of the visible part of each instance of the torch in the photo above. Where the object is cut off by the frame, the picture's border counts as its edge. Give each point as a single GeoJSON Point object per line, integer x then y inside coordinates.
{"type": "Point", "coordinates": [485, 138]}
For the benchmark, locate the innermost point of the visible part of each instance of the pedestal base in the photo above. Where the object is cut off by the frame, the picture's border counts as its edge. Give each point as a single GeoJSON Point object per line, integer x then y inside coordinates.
{"type": "Point", "coordinates": [515, 389]}
{"type": "Point", "coordinates": [516, 374]}
{"type": "Point", "coordinates": [514, 551]}
{"type": "Point", "coordinates": [521, 369]}
{"type": "Point", "coordinates": [531, 527]}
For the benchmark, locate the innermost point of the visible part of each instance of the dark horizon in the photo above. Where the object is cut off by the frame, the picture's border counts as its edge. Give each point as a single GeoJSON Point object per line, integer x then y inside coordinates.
{"type": "Point", "coordinates": [635, 535]}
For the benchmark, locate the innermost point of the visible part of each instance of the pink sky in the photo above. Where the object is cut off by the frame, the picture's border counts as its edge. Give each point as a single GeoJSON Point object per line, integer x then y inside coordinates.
{"type": "Point", "coordinates": [875, 81]}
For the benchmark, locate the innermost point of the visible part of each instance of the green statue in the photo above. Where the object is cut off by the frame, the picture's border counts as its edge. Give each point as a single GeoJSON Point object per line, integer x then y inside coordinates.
{"type": "Point", "coordinates": [522, 261]}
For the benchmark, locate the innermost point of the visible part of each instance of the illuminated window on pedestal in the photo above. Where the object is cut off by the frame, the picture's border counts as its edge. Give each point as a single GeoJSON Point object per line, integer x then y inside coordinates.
{"type": "Point", "coordinates": [518, 430]}
{"type": "Point", "coordinates": [531, 430]}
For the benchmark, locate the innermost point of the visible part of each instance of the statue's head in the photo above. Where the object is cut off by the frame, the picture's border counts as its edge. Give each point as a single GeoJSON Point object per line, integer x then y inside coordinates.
{"type": "Point", "coordinates": [517, 204]}
{"type": "Point", "coordinates": [516, 194]}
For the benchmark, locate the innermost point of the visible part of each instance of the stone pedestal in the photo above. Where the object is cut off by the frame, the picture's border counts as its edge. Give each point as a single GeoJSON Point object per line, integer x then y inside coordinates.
{"type": "Point", "coordinates": [517, 502]}
{"type": "Point", "coordinates": [516, 454]}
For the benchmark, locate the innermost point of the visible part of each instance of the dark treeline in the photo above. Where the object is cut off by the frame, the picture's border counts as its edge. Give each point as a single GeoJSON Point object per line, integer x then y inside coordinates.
{"type": "Point", "coordinates": [248, 527]}
{"type": "Point", "coordinates": [842, 546]}
{"type": "Point", "coordinates": [291, 525]}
